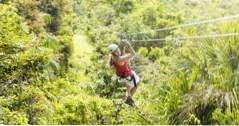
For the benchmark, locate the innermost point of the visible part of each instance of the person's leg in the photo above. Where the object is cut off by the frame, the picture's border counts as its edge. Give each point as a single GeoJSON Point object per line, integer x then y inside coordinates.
{"type": "Point", "coordinates": [135, 81]}
{"type": "Point", "coordinates": [129, 90]}
{"type": "Point", "coordinates": [133, 90]}
{"type": "Point", "coordinates": [129, 99]}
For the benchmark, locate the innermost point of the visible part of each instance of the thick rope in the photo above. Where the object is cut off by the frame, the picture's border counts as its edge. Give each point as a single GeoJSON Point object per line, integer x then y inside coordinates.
{"type": "Point", "coordinates": [216, 20]}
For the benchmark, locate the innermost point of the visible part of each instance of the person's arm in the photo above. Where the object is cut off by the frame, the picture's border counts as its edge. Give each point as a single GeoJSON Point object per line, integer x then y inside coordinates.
{"type": "Point", "coordinates": [127, 56]}
{"type": "Point", "coordinates": [130, 48]}
{"type": "Point", "coordinates": [124, 50]}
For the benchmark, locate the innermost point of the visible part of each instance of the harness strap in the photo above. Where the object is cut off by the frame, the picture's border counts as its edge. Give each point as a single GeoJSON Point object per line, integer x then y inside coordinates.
{"type": "Point", "coordinates": [132, 77]}
{"type": "Point", "coordinates": [134, 80]}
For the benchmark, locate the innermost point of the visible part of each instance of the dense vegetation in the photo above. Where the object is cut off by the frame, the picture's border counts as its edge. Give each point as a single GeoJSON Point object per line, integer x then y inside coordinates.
{"type": "Point", "coordinates": [53, 55]}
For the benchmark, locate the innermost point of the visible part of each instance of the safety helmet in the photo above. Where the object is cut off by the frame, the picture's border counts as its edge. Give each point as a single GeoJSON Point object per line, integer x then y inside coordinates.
{"type": "Point", "coordinates": [113, 47]}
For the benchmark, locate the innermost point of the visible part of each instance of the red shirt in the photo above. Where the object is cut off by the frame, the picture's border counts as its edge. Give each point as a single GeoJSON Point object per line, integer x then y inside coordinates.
{"type": "Point", "coordinates": [122, 68]}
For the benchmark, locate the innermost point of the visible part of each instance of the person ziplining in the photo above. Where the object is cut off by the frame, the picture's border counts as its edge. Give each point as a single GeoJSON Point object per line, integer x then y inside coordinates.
{"type": "Point", "coordinates": [119, 61]}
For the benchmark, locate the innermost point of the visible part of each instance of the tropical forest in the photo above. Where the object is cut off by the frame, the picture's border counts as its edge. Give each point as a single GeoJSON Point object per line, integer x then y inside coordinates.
{"type": "Point", "coordinates": [55, 69]}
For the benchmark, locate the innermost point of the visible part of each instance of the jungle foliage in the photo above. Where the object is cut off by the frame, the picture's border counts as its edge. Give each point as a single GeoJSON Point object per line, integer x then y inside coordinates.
{"type": "Point", "coordinates": [50, 75]}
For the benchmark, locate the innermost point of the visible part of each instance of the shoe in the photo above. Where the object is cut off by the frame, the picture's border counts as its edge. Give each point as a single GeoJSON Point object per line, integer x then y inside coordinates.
{"type": "Point", "coordinates": [129, 101]}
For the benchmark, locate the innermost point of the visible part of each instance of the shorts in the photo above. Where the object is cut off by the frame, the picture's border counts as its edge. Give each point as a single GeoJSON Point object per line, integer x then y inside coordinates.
{"type": "Point", "coordinates": [133, 79]}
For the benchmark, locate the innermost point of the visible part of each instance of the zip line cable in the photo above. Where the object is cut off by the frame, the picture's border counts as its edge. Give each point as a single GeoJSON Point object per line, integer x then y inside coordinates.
{"type": "Point", "coordinates": [191, 37]}
{"type": "Point", "coordinates": [216, 20]}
